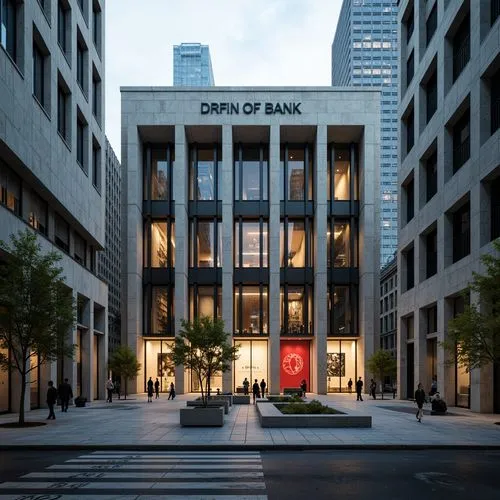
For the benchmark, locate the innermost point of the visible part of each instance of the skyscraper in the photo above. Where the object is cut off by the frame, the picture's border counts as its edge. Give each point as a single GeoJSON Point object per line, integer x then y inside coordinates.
{"type": "Point", "coordinates": [365, 53]}
{"type": "Point", "coordinates": [192, 65]}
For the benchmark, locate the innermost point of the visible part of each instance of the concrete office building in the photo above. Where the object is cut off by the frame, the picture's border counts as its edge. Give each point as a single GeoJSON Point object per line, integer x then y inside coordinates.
{"type": "Point", "coordinates": [259, 206]}
{"type": "Point", "coordinates": [449, 182]}
{"type": "Point", "coordinates": [110, 259]}
{"type": "Point", "coordinates": [193, 65]}
{"type": "Point", "coordinates": [389, 309]}
{"type": "Point", "coordinates": [51, 175]}
{"type": "Point", "coordinates": [365, 54]}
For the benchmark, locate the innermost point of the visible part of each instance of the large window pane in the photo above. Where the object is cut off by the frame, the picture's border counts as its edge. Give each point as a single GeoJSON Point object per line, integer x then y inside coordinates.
{"type": "Point", "coordinates": [341, 175]}
{"type": "Point", "coordinates": [253, 316]}
{"type": "Point", "coordinates": [159, 244]}
{"type": "Point", "coordinates": [293, 307]}
{"type": "Point", "coordinates": [251, 248]}
{"type": "Point", "coordinates": [296, 174]}
{"type": "Point", "coordinates": [204, 241]}
{"type": "Point", "coordinates": [38, 213]}
{"type": "Point", "coordinates": [250, 174]}
{"type": "Point", "coordinates": [341, 249]}
{"type": "Point", "coordinates": [205, 184]}
{"type": "Point", "coordinates": [159, 175]}
{"type": "Point", "coordinates": [160, 311]}
{"type": "Point", "coordinates": [251, 363]}
{"type": "Point", "coordinates": [295, 255]}
{"type": "Point", "coordinates": [159, 363]}
{"type": "Point", "coordinates": [339, 305]}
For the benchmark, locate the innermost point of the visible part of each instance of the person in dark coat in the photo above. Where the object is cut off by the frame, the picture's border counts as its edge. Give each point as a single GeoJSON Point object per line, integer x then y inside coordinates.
{"type": "Point", "coordinates": [150, 390]}
{"type": "Point", "coordinates": [171, 394]}
{"type": "Point", "coordinates": [263, 387]}
{"type": "Point", "coordinates": [349, 386]}
{"type": "Point", "coordinates": [255, 391]}
{"type": "Point", "coordinates": [118, 387]}
{"type": "Point", "coordinates": [157, 388]}
{"type": "Point", "coordinates": [246, 385]}
{"type": "Point", "coordinates": [373, 389]}
{"type": "Point", "coordinates": [303, 386]}
{"type": "Point", "coordinates": [420, 400]}
{"type": "Point", "coordinates": [51, 400]}
{"type": "Point", "coordinates": [65, 394]}
{"type": "Point", "coordinates": [359, 389]}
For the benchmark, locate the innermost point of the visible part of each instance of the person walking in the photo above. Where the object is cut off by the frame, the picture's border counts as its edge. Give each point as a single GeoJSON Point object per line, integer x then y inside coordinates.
{"type": "Point", "coordinates": [434, 386]}
{"type": "Point", "coordinates": [255, 391]}
{"type": "Point", "coordinates": [118, 387]}
{"type": "Point", "coordinates": [303, 386]}
{"type": "Point", "coordinates": [420, 400]}
{"type": "Point", "coordinates": [349, 386]}
{"type": "Point", "coordinates": [171, 393]}
{"type": "Point", "coordinates": [359, 389]}
{"type": "Point", "coordinates": [51, 400]}
{"type": "Point", "coordinates": [65, 394]}
{"type": "Point", "coordinates": [150, 390]}
{"type": "Point", "coordinates": [157, 388]}
{"type": "Point", "coordinates": [373, 388]}
{"type": "Point", "coordinates": [246, 385]}
{"type": "Point", "coordinates": [263, 387]}
{"type": "Point", "coordinates": [109, 387]}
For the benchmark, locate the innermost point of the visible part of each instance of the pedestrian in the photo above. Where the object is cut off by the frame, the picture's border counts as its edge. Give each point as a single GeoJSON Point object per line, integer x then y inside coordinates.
{"type": "Point", "coordinates": [263, 387]}
{"type": "Point", "coordinates": [65, 394]}
{"type": "Point", "coordinates": [420, 400]}
{"type": "Point", "coordinates": [118, 387]}
{"type": "Point", "coordinates": [109, 387]}
{"type": "Point", "coordinates": [303, 386]}
{"type": "Point", "coordinates": [255, 391]}
{"type": "Point", "coordinates": [434, 386]}
{"type": "Point", "coordinates": [246, 385]}
{"type": "Point", "coordinates": [157, 388]}
{"type": "Point", "coordinates": [150, 390]}
{"type": "Point", "coordinates": [359, 389]}
{"type": "Point", "coordinates": [373, 388]}
{"type": "Point", "coordinates": [394, 389]}
{"type": "Point", "coordinates": [349, 386]}
{"type": "Point", "coordinates": [51, 400]}
{"type": "Point", "coordinates": [171, 394]}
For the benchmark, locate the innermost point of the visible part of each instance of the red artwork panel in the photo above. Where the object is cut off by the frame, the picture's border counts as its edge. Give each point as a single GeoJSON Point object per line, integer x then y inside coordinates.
{"type": "Point", "coordinates": [294, 363]}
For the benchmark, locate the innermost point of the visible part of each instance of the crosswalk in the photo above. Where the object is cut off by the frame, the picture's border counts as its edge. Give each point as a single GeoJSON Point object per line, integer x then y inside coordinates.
{"type": "Point", "coordinates": [131, 475]}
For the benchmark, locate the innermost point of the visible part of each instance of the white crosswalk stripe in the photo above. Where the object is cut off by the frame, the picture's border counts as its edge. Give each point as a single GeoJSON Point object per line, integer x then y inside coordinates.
{"type": "Point", "coordinates": [124, 475]}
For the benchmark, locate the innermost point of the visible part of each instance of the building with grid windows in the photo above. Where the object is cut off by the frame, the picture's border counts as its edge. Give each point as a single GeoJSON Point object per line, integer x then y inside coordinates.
{"type": "Point", "coordinates": [258, 206]}
{"type": "Point", "coordinates": [449, 185]}
{"type": "Point", "coordinates": [51, 177]}
{"type": "Point", "coordinates": [193, 65]}
{"type": "Point", "coordinates": [365, 54]}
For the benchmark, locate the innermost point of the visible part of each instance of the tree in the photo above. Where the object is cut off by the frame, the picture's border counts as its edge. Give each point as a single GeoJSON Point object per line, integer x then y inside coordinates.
{"type": "Point", "coordinates": [474, 336]}
{"type": "Point", "coordinates": [124, 363]}
{"type": "Point", "coordinates": [381, 363]}
{"type": "Point", "coordinates": [203, 347]}
{"type": "Point", "coordinates": [36, 309]}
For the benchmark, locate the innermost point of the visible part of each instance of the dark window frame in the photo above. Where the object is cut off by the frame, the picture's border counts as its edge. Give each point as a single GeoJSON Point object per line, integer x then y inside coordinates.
{"type": "Point", "coordinates": [461, 47]}
{"type": "Point", "coordinates": [39, 60]}
{"type": "Point", "coordinates": [193, 300]}
{"type": "Point", "coordinates": [461, 147]}
{"type": "Point", "coordinates": [352, 304]}
{"type": "Point", "coordinates": [495, 101]}
{"type": "Point", "coordinates": [38, 220]}
{"type": "Point", "coordinates": [461, 232]}
{"type": "Point", "coordinates": [193, 241]}
{"type": "Point", "coordinates": [495, 209]}
{"type": "Point", "coordinates": [308, 151]}
{"type": "Point", "coordinates": [308, 235]}
{"type": "Point", "coordinates": [238, 234]}
{"type": "Point", "coordinates": [239, 154]}
{"type": "Point", "coordinates": [11, 13]}
{"type": "Point", "coordinates": [352, 259]}
{"type": "Point", "coordinates": [57, 240]}
{"type": "Point", "coordinates": [431, 96]}
{"type": "Point", "coordinates": [431, 254]}
{"type": "Point", "coordinates": [352, 150]}
{"type": "Point", "coordinates": [170, 255]}
{"type": "Point", "coordinates": [194, 162]}
{"type": "Point", "coordinates": [431, 24]}
{"type": "Point", "coordinates": [308, 323]}
{"type": "Point", "coordinates": [410, 68]}
{"type": "Point", "coordinates": [431, 176]}
{"type": "Point", "coordinates": [238, 292]}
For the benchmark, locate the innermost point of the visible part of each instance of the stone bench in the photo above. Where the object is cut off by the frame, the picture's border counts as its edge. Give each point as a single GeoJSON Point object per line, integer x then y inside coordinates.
{"type": "Point", "coordinates": [202, 417]}
{"type": "Point", "coordinates": [210, 404]}
{"type": "Point", "coordinates": [240, 399]}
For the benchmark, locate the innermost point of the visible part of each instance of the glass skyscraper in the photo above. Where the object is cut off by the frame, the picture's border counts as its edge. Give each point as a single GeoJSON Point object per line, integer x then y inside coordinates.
{"type": "Point", "coordinates": [192, 65]}
{"type": "Point", "coordinates": [365, 53]}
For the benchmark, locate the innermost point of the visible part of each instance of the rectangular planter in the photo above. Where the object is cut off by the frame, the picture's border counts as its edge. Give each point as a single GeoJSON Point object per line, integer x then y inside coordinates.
{"type": "Point", "coordinates": [241, 399]}
{"type": "Point", "coordinates": [210, 404]}
{"type": "Point", "coordinates": [202, 417]}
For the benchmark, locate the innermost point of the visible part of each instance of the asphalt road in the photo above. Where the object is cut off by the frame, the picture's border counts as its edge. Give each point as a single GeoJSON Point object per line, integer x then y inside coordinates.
{"type": "Point", "coordinates": [130, 475]}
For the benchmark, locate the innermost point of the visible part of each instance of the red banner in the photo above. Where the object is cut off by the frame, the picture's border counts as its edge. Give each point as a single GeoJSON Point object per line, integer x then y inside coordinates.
{"type": "Point", "coordinates": [294, 363]}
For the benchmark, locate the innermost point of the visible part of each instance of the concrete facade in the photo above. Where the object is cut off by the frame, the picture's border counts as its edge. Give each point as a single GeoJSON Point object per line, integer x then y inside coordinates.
{"type": "Point", "coordinates": [450, 161]}
{"type": "Point", "coordinates": [51, 153]}
{"type": "Point", "coordinates": [179, 118]}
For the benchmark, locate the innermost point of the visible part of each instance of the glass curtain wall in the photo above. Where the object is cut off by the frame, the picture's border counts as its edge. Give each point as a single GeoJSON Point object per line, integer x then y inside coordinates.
{"type": "Point", "coordinates": [295, 243]}
{"type": "Point", "coordinates": [205, 172]}
{"type": "Point", "coordinates": [251, 172]}
{"type": "Point", "coordinates": [251, 243]}
{"type": "Point", "coordinates": [250, 310]}
{"type": "Point", "coordinates": [342, 311]}
{"type": "Point", "coordinates": [205, 243]}
{"type": "Point", "coordinates": [341, 364]}
{"type": "Point", "coordinates": [158, 172]}
{"type": "Point", "coordinates": [296, 308]}
{"type": "Point", "coordinates": [158, 363]}
{"type": "Point", "coordinates": [162, 244]}
{"type": "Point", "coordinates": [252, 363]}
{"type": "Point", "coordinates": [340, 175]}
{"type": "Point", "coordinates": [296, 169]}
{"type": "Point", "coordinates": [205, 301]}
{"type": "Point", "coordinates": [343, 252]}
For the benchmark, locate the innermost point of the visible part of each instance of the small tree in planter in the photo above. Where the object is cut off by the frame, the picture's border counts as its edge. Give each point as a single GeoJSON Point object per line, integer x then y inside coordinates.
{"type": "Point", "coordinates": [124, 363]}
{"type": "Point", "coordinates": [204, 347]}
{"type": "Point", "coordinates": [381, 363]}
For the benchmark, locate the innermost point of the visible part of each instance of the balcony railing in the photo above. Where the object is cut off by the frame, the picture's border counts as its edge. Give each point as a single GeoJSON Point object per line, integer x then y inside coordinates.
{"type": "Point", "coordinates": [461, 56]}
{"type": "Point", "coordinates": [460, 155]}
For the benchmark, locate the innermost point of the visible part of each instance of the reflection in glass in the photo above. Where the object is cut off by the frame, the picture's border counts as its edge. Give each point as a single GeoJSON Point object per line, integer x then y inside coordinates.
{"type": "Point", "coordinates": [341, 174]}
{"type": "Point", "coordinates": [160, 310]}
{"type": "Point", "coordinates": [296, 174]}
{"type": "Point", "coordinates": [295, 255]}
{"type": "Point", "coordinates": [159, 244]}
{"type": "Point", "coordinates": [159, 174]}
{"type": "Point", "coordinates": [341, 249]}
{"type": "Point", "coordinates": [253, 317]}
{"type": "Point", "coordinates": [203, 174]}
{"type": "Point", "coordinates": [251, 187]}
{"type": "Point", "coordinates": [251, 249]}
{"type": "Point", "coordinates": [203, 241]}
{"type": "Point", "coordinates": [339, 305]}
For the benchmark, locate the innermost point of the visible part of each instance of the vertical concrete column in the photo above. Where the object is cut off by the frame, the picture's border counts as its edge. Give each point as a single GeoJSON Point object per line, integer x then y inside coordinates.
{"type": "Point", "coordinates": [401, 370]}
{"type": "Point", "coordinates": [445, 371]}
{"type": "Point", "coordinates": [181, 302]}
{"type": "Point", "coordinates": [103, 356]}
{"type": "Point", "coordinates": [70, 365]}
{"type": "Point", "coordinates": [319, 379]}
{"type": "Point", "coordinates": [274, 264]}
{"type": "Point", "coordinates": [420, 332]}
{"type": "Point", "coordinates": [227, 242]}
{"type": "Point", "coordinates": [88, 352]}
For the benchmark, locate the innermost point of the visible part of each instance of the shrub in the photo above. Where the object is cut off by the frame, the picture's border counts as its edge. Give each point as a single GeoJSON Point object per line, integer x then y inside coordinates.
{"type": "Point", "coordinates": [312, 408]}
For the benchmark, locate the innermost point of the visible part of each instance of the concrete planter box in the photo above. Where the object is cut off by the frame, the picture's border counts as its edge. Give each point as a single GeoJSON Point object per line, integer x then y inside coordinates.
{"type": "Point", "coordinates": [241, 399]}
{"type": "Point", "coordinates": [292, 391]}
{"type": "Point", "coordinates": [222, 397]}
{"type": "Point", "coordinates": [210, 404]}
{"type": "Point", "coordinates": [270, 416]}
{"type": "Point", "coordinates": [202, 417]}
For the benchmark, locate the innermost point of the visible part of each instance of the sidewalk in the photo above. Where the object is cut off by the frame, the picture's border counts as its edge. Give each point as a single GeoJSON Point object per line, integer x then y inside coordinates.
{"type": "Point", "coordinates": [136, 424]}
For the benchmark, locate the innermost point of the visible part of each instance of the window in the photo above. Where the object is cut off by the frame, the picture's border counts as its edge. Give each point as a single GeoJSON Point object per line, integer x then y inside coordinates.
{"type": "Point", "coordinates": [63, 110]}
{"type": "Point", "coordinates": [250, 244]}
{"type": "Point", "coordinates": [342, 311]}
{"type": "Point", "coordinates": [410, 68]}
{"type": "Point", "coordinates": [410, 131]}
{"type": "Point", "coordinates": [340, 253]}
{"type": "Point", "coordinates": [10, 189]}
{"type": "Point", "coordinates": [96, 164]}
{"type": "Point", "coordinates": [250, 173]}
{"type": "Point", "coordinates": [80, 249]}
{"type": "Point", "coordinates": [296, 310]}
{"type": "Point", "coordinates": [431, 96]}
{"type": "Point", "coordinates": [410, 25]}
{"type": "Point", "coordinates": [204, 252]}
{"type": "Point", "coordinates": [81, 129]}
{"type": "Point", "coordinates": [39, 90]}
{"type": "Point", "coordinates": [461, 232]}
{"type": "Point", "coordinates": [295, 243]}
{"type": "Point", "coordinates": [96, 95]}
{"type": "Point", "coordinates": [461, 47]}
{"type": "Point", "coordinates": [250, 310]}
{"type": "Point", "coordinates": [61, 233]}
{"type": "Point", "coordinates": [495, 208]}
{"type": "Point", "coordinates": [431, 317]}
{"type": "Point", "coordinates": [162, 244]}
{"type": "Point", "coordinates": [409, 189]}
{"type": "Point", "coordinates": [38, 213]}
{"type": "Point", "coordinates": [495, 102]}
{"type": "Point", "coordinates": [431, 176]}
{"type": "Point", "coordinates": [63, 23]}
{"type": "Point", "coordinates": [161, 305]}
{"type": "Point", "coordinates": [431, 253]}
{"type": "Point", "coordinates": [205, 173]}
{"type": "Point", "coordinates": [461, 141]}
{"type": "Point", "coordinates": [81, 63]}
{"type": "Point", "coordinates": [410, 268]}
{"type": "Point", "coordinates": [96, 25]}
{"type": "Point", "coordinates": [296, 173]}
{"type": "Point", "coordinates": [8, 27]}
{"type": "Point", "coordinates": [205, 301]}
{"type": "Point", "coordinates": [431, 24]}
{"type": "Point", "coordinates": [495, 11]}
{"type": "Point", "coordinates": [341, 174]}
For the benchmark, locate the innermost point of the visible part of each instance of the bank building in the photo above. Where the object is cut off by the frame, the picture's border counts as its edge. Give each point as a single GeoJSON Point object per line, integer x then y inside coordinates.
{"type": "Point", "coordinates": [259, 206]}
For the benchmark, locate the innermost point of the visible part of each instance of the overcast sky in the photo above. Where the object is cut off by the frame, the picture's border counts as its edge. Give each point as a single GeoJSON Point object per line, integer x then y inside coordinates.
{"type": "Point", "coordinates": [252, 42]}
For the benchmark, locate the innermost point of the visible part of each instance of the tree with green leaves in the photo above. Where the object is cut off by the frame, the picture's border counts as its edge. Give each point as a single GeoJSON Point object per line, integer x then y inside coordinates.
{"type": "Point", "coordinates": [123, 362]}
{"type": "Point", "coordinates": [473, 338]}
{"type": "Point", "coordinates": [204, 347]}
{"type": "Point", "coordinates": [37, 309]}
{"type": "Point", "coordinates": [381, 364]}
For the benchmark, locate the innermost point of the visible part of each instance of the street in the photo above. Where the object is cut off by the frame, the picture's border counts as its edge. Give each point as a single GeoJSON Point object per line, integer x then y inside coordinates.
{"type": "Point", "coordinates": [128, 475]}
